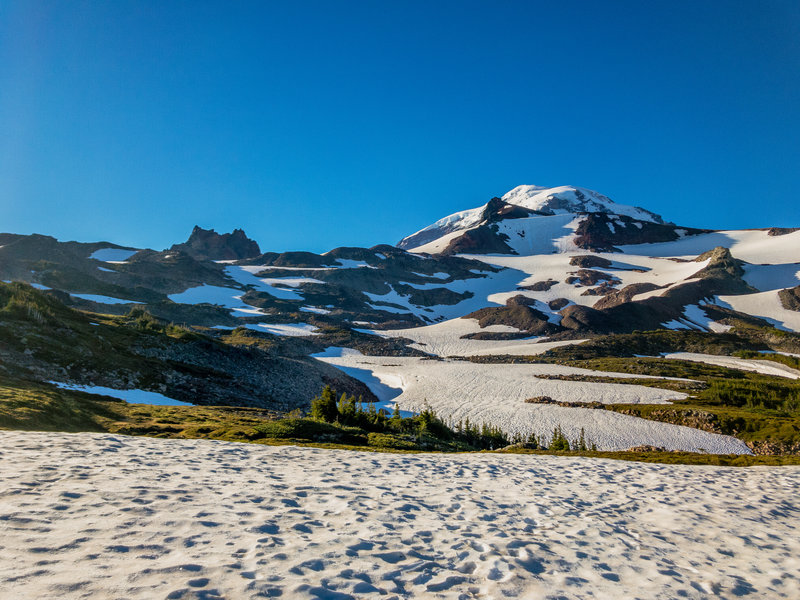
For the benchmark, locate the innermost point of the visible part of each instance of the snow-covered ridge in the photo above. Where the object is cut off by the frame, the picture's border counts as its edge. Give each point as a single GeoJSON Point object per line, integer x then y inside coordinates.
{"type": "Point", "coordinates": [547, 201]}
{"type": "Point", "coordinates": [570, 199]}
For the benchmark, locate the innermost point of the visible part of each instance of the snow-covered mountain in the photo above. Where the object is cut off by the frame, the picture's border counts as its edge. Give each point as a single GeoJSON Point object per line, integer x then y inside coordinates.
{"type": "Point", "coordinates": [562, 262]}
{"type": "Point", "coordinates": [529, 272]}
{"type": "Point", "coordinates": [520, 205]}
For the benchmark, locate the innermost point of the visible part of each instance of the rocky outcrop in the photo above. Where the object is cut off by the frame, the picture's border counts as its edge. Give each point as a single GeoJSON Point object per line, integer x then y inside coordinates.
{"type": "Point", "coordinates": [589, 277]}
{"type": "Point", "coordinates": [696, 419]}
{"type": "Point", "coordinates": [557, 304]}
{"type": "Point", "coordinates": [481, 240]}
{"type": "Point", "coordinates": [774, 447]}
{"type": "Point", "coordinates": [524, 318]}
{"type": "Point", "coordinates": [790, 298]}
{"type": "Point", "coordinates": [626, 294]}
{"type": "Point", "coordinates": [539, 286]}
{"type": "Point", "coordinates": [601, 232]}
{"type": "Point", "coordinates": [774, 231]}
{"type": "Point", "coordinates": [588, 261]}
{"type": "Point", "coordinates": [207, 244]}
{"type": "Point", "coordinates": [498, 210]}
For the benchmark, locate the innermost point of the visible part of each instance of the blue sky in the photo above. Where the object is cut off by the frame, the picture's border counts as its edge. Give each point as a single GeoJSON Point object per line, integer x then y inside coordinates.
{"type": "Point", "coordinates": [319, 124]}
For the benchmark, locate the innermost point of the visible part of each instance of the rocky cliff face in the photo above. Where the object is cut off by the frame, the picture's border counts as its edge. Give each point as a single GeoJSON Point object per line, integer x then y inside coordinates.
{"type": "Point", "coordinates": [208, 244]}
{"type": "Point", "coordinates": [602, 232]}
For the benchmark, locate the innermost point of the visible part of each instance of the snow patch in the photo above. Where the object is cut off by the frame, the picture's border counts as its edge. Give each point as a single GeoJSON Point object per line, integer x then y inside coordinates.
{"type": "Point", "coordinates": [285, 329]}
{"type": "Point", "coordinates": [129, 396]}
{"type": "Point", "coordinates": [496, 393]}
{"type": "Point", "coordinates": [103, 299]}
{"type": "Point", "coordinates": [114, 255]}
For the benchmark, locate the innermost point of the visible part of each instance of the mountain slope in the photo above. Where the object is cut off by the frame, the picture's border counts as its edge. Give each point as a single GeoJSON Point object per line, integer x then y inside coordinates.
{"type": "Point", "coordinates": [522, 202]}
{"type": "Point", "coordinates": [523, 275]}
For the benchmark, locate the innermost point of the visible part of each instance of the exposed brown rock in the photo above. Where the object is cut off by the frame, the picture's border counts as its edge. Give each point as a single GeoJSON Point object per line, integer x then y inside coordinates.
{"type": "Point", "coordinates": [208, 244]}
{"type": "Point", "coordinates": [590, 277]}
{"type": "Point", "coordinates": [523, 318]}
{"type": "Point", "coordinates": [497, 210]}
{"type": "Point", "coordinates": [617, 297]}
{"type": "Point", "coordinates": [647, 448]}
{"type": "Point", "coordinates": [603, 233]}
{"type": "Point", "coordinates": [587, 261]}
{"type": "Point", "coordinates": [603, 289]}
{"type": "Point", "coordinates": [774, 231]}
{"type": "Point", "coordinates": [790, 298]}
{"type": "Point", "coordinates": [539, 286]}
{"type": "Point", "coordinates": [558, 303]}
{"type": "Point", "coordinates": [481, 240]}
{"type": "Point", "coordinates": [520, 300]}
{"type": "Point", "coordinates": [540, 400]}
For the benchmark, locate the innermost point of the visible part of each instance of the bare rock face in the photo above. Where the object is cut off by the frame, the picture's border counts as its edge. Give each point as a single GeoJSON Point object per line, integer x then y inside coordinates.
{"type": "Point", "coordinates": [626, 294]}
{"type": "Point", "coordinates": [775, 231]}
{"type": "Point", "coordinates": [524, 318]}
{"type": "Point", "coordinates": [724, 272]}
{"type": "Point", "coordinates": [790, 298]}
{"type": "Point", "coordinates": [498, 210]}
{"type": "Point", "coordinates": [558, 303]}
{"type": "Point", "coordinates": [539, 286]}
{"type": "Point", "coordinates": [587, 261]}
{"type": "Point", "coordinates": [589, 277]}
{"type": "Point", "coordinates": [481, 240]}
{"type": "Point", "coordinates": [207, 244]}
{"type": "Point", "coordinates": [602, 232]}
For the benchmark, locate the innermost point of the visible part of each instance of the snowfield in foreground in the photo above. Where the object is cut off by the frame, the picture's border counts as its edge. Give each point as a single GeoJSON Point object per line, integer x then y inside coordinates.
{"type": "Point", "coordinates": [495, 394]}
{"type": "Point", "coordinates": [101, 516]}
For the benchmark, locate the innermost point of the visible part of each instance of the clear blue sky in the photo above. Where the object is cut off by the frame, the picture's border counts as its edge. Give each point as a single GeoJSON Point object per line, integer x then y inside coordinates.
{"type": "Point", "coordinates": [319, 124]}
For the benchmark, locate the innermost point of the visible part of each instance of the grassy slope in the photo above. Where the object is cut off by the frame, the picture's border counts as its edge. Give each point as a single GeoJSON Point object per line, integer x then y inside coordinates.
{"type": "Point", "coordinates": [762, 410]}
{"type": "Point", "coordinates": [37, 406]}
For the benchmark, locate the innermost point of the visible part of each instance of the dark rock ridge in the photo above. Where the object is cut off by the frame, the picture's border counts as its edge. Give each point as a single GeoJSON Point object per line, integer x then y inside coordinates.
{"type": "Point", "coordinates": [498, 210]}
{"type": "Point", "coordinates": [587, 261]}
{"type": "Point", "coordinates": [484, 239]}
{"type": "Point", "coordinates": [210, 245]}
{"type": "Point", "coordinates": [525, 318]}
{"type": "Point", "coordinates": [602, 232]}
{"type": "Point", "coordinates": [539, 286]}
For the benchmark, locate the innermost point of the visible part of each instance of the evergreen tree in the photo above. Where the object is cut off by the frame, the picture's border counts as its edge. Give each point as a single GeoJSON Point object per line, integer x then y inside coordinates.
{"type": "Point", "coordinates": [559, 443]}
{"type": "Point", "coordinates": [323, 407]}
{"type": "Point", "coordinates": [396, 421]}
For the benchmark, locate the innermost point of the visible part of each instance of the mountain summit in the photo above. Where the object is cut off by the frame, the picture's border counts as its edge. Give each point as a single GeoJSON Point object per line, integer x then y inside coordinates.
{"type": "Point", "coordinates": [489, 228]}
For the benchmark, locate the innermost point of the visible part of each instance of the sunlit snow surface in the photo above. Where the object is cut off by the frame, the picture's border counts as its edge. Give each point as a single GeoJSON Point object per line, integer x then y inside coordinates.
{"type": "Point", "coordinates": [495, 393]}
{"type": "Point", "coordinates": [130, 396]}
{"type": "Point", "coordinates": [765, 367]}
{"type": "Point", "coordinates": [288, 329]}
{"type": "Point", "coordinates": [284, 329]}
{"type": "Point", "coordinates": [222, 296]}
{"type": "Point", "coordinates": [98, 516]}
{"type": "Point", "coordinates": [766, 305]}
{"type": "Point", "coordinates": [446, 339]}
{"type": "Point", "coordinates": [112, 254]}
{"type": "Point", "coordinates": [103, 299]}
